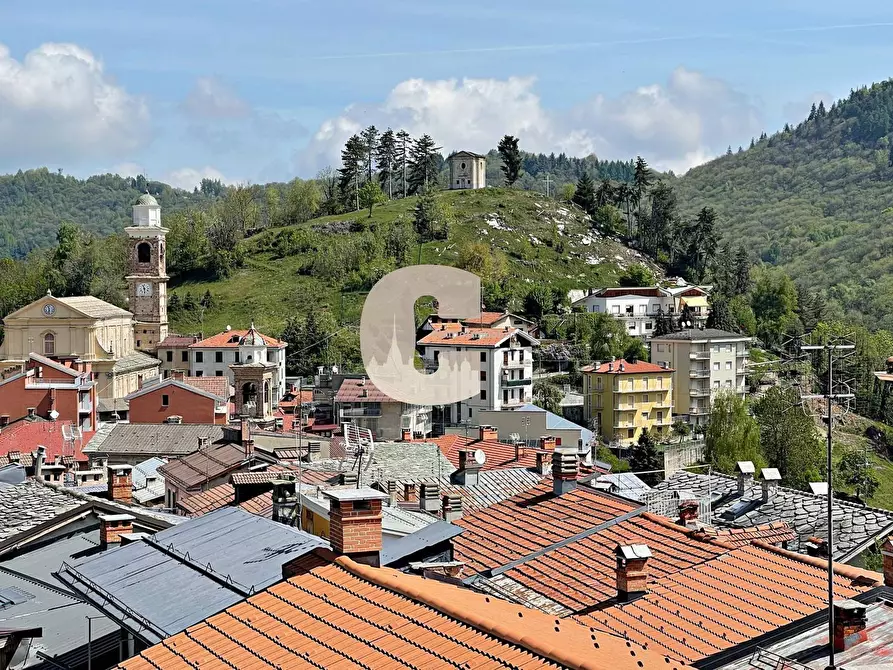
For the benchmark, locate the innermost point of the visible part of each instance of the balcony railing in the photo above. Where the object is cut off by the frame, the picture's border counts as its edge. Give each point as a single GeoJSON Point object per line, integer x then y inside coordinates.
{"type": "Point", "coordinates": [742, 353]}
{"type": "Point", "coordinates": [514, 364]}
{"type": "Point", "coordinates": [512, 383]}
{"type": "Point", "coordinates": [85, 407]}
{"type": "Point", "coordinates": [699, 393]}
{"type": "Point", "coordinates": [699, 355]}
{"type": "Point", "coordinates": [699, 411]}
{"type": "Point", "coordinates": [699, 374]}
{"type": "Point", "coordinates": [358, 412]}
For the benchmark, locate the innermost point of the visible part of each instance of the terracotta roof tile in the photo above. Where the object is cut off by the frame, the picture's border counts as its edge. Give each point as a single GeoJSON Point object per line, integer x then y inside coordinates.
{"type": "Point", "coordinates": [176, 342]}
{"type": "Point", "coordinates": [261, 505]}
{"type": "Point", "coordinates": [218, 386]}
{"type": "Point", "coordinates": [775, 532]}
{"type": "Point", "coordinates": [207, 501]}
{"type": "Point", "coordinates": [345, 615]}
{"type": "Point", "coordinates": [223, 340]}
{"type": "Point", "coordinates": [639, 367]}
{"type": "Point", "coordinates": [486, 319]}
{"type": "Point", "coordinates": [475, 337]}
{"type": "Point", "coordinates": [26, 436]}
{"type": "Point", "coordinates": [352, 390]}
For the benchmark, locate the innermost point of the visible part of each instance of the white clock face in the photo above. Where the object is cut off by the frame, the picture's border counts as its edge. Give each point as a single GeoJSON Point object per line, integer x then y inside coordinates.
{"type": "Point", "coordinates": [49, 309]}
{"type": "Point", "coordinates": [144, 289]}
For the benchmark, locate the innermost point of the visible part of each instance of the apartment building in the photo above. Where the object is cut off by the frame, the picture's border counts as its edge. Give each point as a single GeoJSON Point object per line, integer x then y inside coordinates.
{"type": "Point", "coordinates": [506, 366]}
{"type": "Point", "coordinates": [627, 398]}
{"type": "Point", "coordinates": [213, 356]}
{"type": "Point", "coordinates": [706, 361]}
{"type": "Point", "coordinates": [640, 307]}
{"type": "Point", "coordinates": [360, 402]}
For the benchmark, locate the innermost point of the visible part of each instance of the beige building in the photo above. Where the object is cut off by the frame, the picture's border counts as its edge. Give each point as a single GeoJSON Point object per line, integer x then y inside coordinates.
{"type": "Point", "coordinates": [468, 170]}
{"type": "Point", "coordinates": [706, 361]}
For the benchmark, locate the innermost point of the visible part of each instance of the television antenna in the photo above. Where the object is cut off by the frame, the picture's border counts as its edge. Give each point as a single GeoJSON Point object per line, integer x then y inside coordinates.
{"type": "Point", "coordinates": [359, 445]}
{"type": "Point", "coordinates": [832, 392]}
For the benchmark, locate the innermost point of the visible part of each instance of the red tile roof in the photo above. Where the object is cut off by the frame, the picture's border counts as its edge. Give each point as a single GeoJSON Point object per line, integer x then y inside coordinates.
{"type": "Point", "coordinates": [176, 342]}
{"type": "Point", "coordinates": [638, 367]}
{"type": "Point", "coordinates": [218, 386]}
{"type": "Point", "coordinates": [486, 319]}
{"type": "Point", "coordinates": [530, 521]}
{"type": "Point", "coordinates": [346, 615]}
{"type": "Point", "coordinates": [207, 501]}
{"type": "Point", "coordinates": [351, 390]}
{"type": "Point", "coordinates": [499, 454]}
{"type": "Point", "coordinates": [261, 505]}
{"type": "Point", "coordinates": [223, 340]}
{"type": "Point", "coordinates": [771, 533]}
{"type": "Point", "coordinates": [718, 604]}
{"type": "Point", "coordinates": [26, 436]}
{"type": "Point", "coordinates": [475, 337]}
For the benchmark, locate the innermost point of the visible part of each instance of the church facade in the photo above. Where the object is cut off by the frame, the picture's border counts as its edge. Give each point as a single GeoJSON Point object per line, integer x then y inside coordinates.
{"type": "Point", "coordinates": [468, 170]}
{"type": "Point", "coordinates": [117, 343]}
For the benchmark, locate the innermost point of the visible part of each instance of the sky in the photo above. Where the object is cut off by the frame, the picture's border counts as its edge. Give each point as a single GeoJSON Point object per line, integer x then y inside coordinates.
{"type": "Point", "coordinates": [250, 91]}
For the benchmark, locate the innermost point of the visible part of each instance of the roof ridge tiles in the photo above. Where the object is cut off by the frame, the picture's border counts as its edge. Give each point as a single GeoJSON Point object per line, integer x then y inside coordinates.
{"type": "Point", "coordinates": [666, 523]}
{"type": "Point", "coordinates": [850, 572]}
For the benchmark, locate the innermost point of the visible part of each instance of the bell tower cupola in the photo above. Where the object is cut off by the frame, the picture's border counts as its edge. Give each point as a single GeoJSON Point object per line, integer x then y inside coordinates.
{"type": "Point", "coordinates": [147, 276]}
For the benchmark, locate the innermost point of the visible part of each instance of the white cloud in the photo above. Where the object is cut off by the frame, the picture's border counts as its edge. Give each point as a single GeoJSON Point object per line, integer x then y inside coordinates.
{"type": "Point", "coordinates": [674, 125]}
{"type": "Point", "coordinates": [128, 170]}
{"type": "Point", "coordinates": [798, 110]}
{"type": "Point", "coordinates": [211, 99]}
{"type": "Point", "coordinates": [188, 178]}
{"type": "Point", "coordinates": [58, 105]}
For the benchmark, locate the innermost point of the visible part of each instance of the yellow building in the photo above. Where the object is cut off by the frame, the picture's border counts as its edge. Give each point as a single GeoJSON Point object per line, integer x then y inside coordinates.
{"type": "Point", "coordinates": [625, 398]}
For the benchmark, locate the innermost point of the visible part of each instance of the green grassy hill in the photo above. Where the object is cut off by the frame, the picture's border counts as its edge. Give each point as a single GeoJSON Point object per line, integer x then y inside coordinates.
{"type": "Point", "coordinates": [816, 200]}
{"type": "Point", "coordinates": [545, 242]}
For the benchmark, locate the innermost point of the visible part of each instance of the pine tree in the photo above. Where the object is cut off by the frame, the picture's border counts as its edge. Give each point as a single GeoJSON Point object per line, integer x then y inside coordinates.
{"type": "Point", "coordinates": [812, 113]}
{"type": "Point", "coordinates": [402, 165]}
{"type": "Point", "coordinates": [605, 193]}
{"type": "Point", "coordinates": [702, 246]}
{"type": "Point", "coordinates": [720, 317]}
{"type": "Point", "coordinates": [787, 127]}
{"type": "Point", "coordinates": [729, 151]}
{"type": "Point", "coordinates": [173, 303]}
{"type": "Point", "coordinates": [511, 159]}
{"type": "Point", "coordinates": [742, 272]}
{"type": "Point", "coordinates": [386, 157]}
{"type": "Point", "coordinates": [740, 149]}
{"type": "Point", "coordinates": [207, 300]}
{"type": "Point", "coordinates": [657, 230]}
{"type": "Point", "coordinates": [370, 147]}
{"type": "Point", "coordinates": [641, 183]}
{"type": "Point", "coordinates": [352, 157]}
{"type": "Point", "coordinates": [584, 196]}
{"type": "Point", "coordinates": [422, 163]}
{"type": "Point", "coordinates": [752, 143]}
{"type": "Point", "coordinates": [189, 304]}
{"type": "Point", "coordinates": [821, 109]}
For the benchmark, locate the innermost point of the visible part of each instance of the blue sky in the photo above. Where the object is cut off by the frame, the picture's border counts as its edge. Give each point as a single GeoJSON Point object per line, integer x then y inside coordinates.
{"type": "Point", "coordinates": [258, 90]}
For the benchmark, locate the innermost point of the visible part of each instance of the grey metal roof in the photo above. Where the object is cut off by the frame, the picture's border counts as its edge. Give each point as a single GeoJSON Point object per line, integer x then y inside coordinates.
{"type": "Point", "coordinates": [147, 199]}
{"type": "Point", "coordinates": [355, 494]}
{"type": "Point", "coordinates": [624, 484]}
{"type": "Point", "coordinates": [145, 471]}
{"type": "Point", "coordinates": [24, 506]}
{"type": "Point", "coordinates": [163, 439]}
{"type": "Point", "coordinates": [135, 361]}
{"type": "Point", "coordinates": [698, 334]}
{"type": "Point", "coordinates": [94, 307]}
{"type": "Point", "coordinates": [393, 549]}
{"type": "Point", "coordinates": [160, 586]}
{"type": "Point", "coordinates": [855, 526]}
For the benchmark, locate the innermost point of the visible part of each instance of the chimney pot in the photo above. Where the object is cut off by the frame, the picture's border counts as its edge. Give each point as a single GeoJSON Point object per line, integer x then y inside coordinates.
{"type": "Point", "coordinates": [745, 470]}
{"type": "Point", "coordinates": [355, 523]}
{"type": "Point", "coordinates": [849, 624]}
{"type": "Point", "coordinates": [488, 433]}
{"type": "Point", "coordinates": [452, 507]}
{"type": "Point", "coordinates": [112, 526]}
{"type": "Point", "coordinates": [428, 497]}
{"type": "Point", "coordinates": [632, 570]}
{"type": "Point", "coordinates": [469, 470]}
{"type": "Point", "coordinates": [120, 483]}
{"type": "Point", "coordinates": [771, 477]}
{"type": "Point", "coordinates": [887, 553]}
{"type": "Point", "coordinates": [249, 448]}
{"type": "Point", "coordinates": [39, 460]}
{"type": "Point", "coordinates": [543, 463]}
{"type": "Point", "coordinates": [347, 479]}
{"type": "Point", "coordinates": [31, 411]}
{"type": "Point", "coordinates": [284, 500]}
{"type": "Point", "coordinates": [409, 491]}
{"type": "Point", "coordinates": [565, 467]}
{"type": "Point", "coordinates": [547, 442]}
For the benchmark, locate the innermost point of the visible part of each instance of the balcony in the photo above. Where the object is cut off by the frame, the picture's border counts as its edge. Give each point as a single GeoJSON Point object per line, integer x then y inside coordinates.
{"type": "Point", "coordinates": [742, 353]}
{"type": "Point", "coordinates": [624, 407]}
{"type": "Point", "coordinates": [699, 393]}
{"type": "Point", "coordinates": [702, 373]}
{"type": "Point", "coordinates": [512, 383]}
{"type": "Point", "coordinates": [509, 364]}
{"type": "Point", "coordinates": [85, 407]}
{"type": "Point", "coordinates": [699, 411]}
{"type": "Point", "coordinates": [360, 412]}
{"type": "Point", "coordinates": [699, 355]}
{"type": "Point", "coordinates": [624, 424]}
{"type": "Point", "coordinates": [517, 402]}
{"type": "Point", "coordinates": [663, 403]}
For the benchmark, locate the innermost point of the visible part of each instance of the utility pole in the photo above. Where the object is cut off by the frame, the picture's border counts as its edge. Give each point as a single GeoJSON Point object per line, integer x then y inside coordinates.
{"type": "Point", "coordinates": [547, 180]}
{"type": "Point", "coordinates": [832, 353]}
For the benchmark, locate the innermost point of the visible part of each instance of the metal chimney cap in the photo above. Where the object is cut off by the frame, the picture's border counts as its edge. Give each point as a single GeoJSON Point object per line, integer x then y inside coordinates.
{"type": "Point", "coordinates": [746, 467]}
{"type": "Point", "coordinates": [633, 551]}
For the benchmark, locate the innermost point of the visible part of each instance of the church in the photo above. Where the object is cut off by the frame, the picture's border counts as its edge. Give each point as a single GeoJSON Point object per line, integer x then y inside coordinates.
{"type": "Point", "coordinates": [118, 344]}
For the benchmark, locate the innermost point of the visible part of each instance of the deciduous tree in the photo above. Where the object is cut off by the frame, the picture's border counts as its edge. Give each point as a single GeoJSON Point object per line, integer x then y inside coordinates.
{"type": "Point", "coordinates": [732, 435]}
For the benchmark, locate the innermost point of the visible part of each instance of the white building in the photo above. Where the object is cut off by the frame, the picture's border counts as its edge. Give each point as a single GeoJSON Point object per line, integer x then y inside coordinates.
{"type": "Point", "coordinates": [360, 402]}
{"type": "Point", "coordinates": [639, 308]}
{"type": "Point", "coordinates": [706, 362]}
{"type": "Point", "coordinates": [506, 360]}
{"type": "Point", "coordinates": [213, 356]}
{"type": "Point", "coordinates": [468, 170]}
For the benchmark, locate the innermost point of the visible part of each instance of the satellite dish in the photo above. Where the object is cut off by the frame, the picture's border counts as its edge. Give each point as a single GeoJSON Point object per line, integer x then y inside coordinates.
{"type": "Point", "coordinates": [480, 457]}
{"type": "Point", "coordinates": [54, 415]}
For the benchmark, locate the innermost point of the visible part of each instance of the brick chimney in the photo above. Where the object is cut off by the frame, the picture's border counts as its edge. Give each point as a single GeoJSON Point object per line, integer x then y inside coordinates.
{"type": "Point", "coordinates": [488, 433]}
{"type": "Point", "coordinates": [429, 495]}
{"type": "Point", "coordinates": [355, 523]}
{"type": "Point", "coordinates": [248, 446]}
{"type": "Point", "coordinates": [849, 624]}
{"type": "Point", "coordinates": [745, 470]}
{"type": "Point", "coordinates": [120, 483]}
{"type": "Point", "coordinates": [178, 375]}
{"type": "Point", "coordinates": [451, 506]}
{"type": "Point", "coordinates": [543, 463]}
{"type": "Point", "coordinates": [547, 442]}
{"type": "Point", "coordinates": [409, 491]}
{"type": "Point", "coordinates": [284, 500]}
{"type": "Point", "coordinates": [770, 479]}
{"type": "Point", "coordinates": [112, 526]}
{"type": "Point", "coordinates": [887, 553]}
{"type": "Point", "coordinates": [688, 513]}
{"type": "Point", "coordinates": [565, 467]}
{"type": "Point", "coordinates": [632, 570]}
{"type": "Point", "coordinates": [469, 469]}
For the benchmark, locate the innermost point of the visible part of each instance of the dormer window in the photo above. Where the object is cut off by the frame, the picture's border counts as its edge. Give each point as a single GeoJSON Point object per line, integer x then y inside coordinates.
{"type": "Point", "coordinates": [234, 339]}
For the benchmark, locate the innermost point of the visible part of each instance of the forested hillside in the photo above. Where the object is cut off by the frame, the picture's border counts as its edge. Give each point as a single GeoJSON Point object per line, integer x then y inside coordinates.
{"type": "Point", "coordinates": [816, 200]}
{"type": "Point", "coordinates": [33, 204]}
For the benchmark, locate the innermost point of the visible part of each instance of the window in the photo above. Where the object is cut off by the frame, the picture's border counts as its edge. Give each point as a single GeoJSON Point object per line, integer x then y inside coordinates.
{"type": "Point", "coordinates": [199, 373]}
{"type": "Point", "coordinates": [436, 355]}
{"type": "Point", "coordinates": [165, 400]}
{"type": "Point", "coordinates": [483, 375]}
{"type": "Point", "coordinates": [238, 358]}
{"type": "Point", "coordinates": [143, 252]}
{"type": "Point", "coordinates": [139, 343]}
{"type": "Point", "coordinates": [660, 347]}
{"type": "Point", "coordinates": [185, 356]}
{"type": "Point", "coordinates": [218, 373]}
{"type": "Point", "coordinates": [199, 357]}
{"type": "Point", "coordinates": [716, 384]}
{"type": "Point", "coordinates": [645, 382]}
{"type": "Point", "coordinates": [616, 309]}
{"type": "Point", "coordinates": [716, 365]}
{"type": "Point", "coordinates": [218, 357]}
{"type": "Point", "coordinates": [645, 398]}
{"type": "Point", "coordinates": [728, 383]}
{"type": "Point", "coordinates": [49, 344]}
{"type": "Point", "coordinates": [728, 348]}
{"type": "Point", "coordinates": [483, 394]}
{"type": "Point", "coordinates": [170, 356]}
{"type": "Point", "coordinates": [631, 433]}
{"type": "Point", "coordinates": [660, 417]}
{"type": "Point", "coordinates": [469, 412]}
{"type": "Point", "coordinates": [645, 415]}
{"type": "Point", "coordinates": [483, 357]}
{"type": "Point", "coordinates": [728, 365]}
{"type": "Point", "coordinates": [648, 325]}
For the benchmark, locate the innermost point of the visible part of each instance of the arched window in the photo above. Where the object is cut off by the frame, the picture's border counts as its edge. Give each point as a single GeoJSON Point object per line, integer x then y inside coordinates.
{"type": "Point", "coordinates": [249, 393]}
{"type": "Point", "coordinates": [49, 344]}
{"type": "Point", "coordinates": [268, 398]}
{"type": "Point", "coordinates": [143, 252]}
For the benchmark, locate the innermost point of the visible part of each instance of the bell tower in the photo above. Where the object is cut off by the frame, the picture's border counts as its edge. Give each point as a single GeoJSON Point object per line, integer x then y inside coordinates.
{"type": "Point", "coordinates": [147, 277]}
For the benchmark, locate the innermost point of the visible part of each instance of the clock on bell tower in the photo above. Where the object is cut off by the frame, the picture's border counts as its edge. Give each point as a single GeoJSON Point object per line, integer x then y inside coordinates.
{"type": "Point", "coordinates": [147, 276]}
